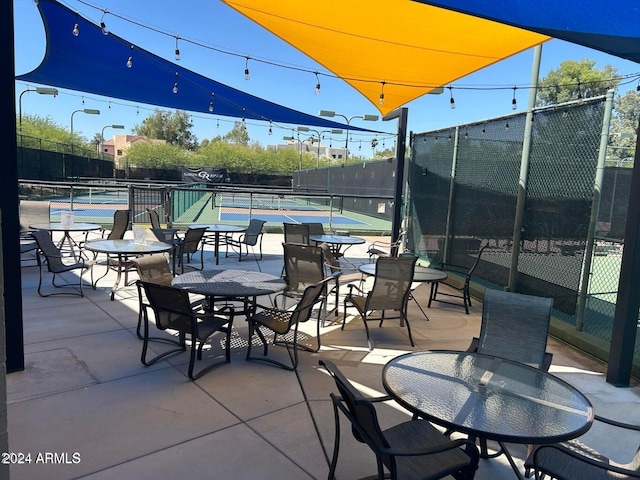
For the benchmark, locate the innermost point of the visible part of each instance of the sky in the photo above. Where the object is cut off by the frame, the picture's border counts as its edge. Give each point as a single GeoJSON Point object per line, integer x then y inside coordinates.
{"type": "Point", "coordinates": [480, 96]}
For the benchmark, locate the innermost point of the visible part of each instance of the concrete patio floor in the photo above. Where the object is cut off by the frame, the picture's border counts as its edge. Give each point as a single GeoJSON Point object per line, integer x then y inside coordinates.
{"type": "Point", "coordinates": [84, 392]}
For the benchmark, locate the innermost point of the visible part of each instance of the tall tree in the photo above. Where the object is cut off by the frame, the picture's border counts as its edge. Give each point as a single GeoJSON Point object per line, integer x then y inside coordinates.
{"type": "Point", "coordinates": [574, 80]}
{"type": "Point", "coordinates": [237, 135]}
{"type": "Point", "coordinates": [174, 127]}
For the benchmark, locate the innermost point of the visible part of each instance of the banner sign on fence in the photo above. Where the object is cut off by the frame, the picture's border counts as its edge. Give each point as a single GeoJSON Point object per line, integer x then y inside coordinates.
{"type": "Point", "coordinates": [204, 174]}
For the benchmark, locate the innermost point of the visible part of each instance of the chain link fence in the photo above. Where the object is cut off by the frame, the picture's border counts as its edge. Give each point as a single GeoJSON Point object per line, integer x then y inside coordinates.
{"type": "Point", "coordinates": [464, 185]}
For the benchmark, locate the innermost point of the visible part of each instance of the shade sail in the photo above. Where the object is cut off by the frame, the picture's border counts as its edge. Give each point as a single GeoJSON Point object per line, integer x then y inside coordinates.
{"type": "Point", "coordinates": [400, 48]}
{"type": "Point", "coordinates": [611, 27]}
{"type": "Point", "coordinates": [94, 63]}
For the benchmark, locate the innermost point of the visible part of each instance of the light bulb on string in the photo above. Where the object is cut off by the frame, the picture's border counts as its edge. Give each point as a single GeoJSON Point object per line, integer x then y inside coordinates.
{"type": "Point", "coordinates": [211, 103]}
{"type": "Point", "coordinates": [317, 84]}
{"type": "Point", "coordinates": [177, 49]}
{"type": "Point", "coordinates": [76, 30]}
{"type": "Point", "coordinates": [130, 59]}
{"type": "Point", "coordinates": [103, 26]}
{"type": "Point", "coordinates": [381, 100]}
{"type": "Point", "coordinates": [247, 76]}
{"type": "Point", "coordinates": [514, 102]}
{"type": "Point", "coordinates": [270, 129]}
{"type": "Point", "coordinates": [452, 102]}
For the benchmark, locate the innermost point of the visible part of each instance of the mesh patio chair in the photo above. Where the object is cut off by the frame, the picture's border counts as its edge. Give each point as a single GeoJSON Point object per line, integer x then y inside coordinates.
{"type": "Point", "coordinates": [344, 274]}
{"type": "Point", "coordinates": [169, 235]}
{"type": "Point", "coordinates": [574, 460]}
{"type": "Point", "coordinates": [153, 269]}
{"type": "Point", "coordinates": [32, 212]}
{"type": "Point", "coordinates": [459, 281]}
{"type": "Point", "coordinates": [119, 227]}
{"type": "Point", "coordinates": [304, 265]}
{"type": "Point", "coordinates": [296, 233]}
{"type": "Point", "coordinates": [412, 450]}
{"type": "Point", "coordinates": [173, 311]}
{"type": "Point", "coordinates": [56, 265]}
{"type": "Point", "coordinates": [380, 248]}
{"type": "Point", "coordinates": [391, 290]}
{"type": "Point", "coordinates": [252, 237]}
{"type": "Point", "coordinates": [283, 323]}
{"type": "Point", "coordinates": [516, 327]}
{"type": "Point", "coordinates": [315, 228]}
{"type": "Point", "coordinates": [188, 246]}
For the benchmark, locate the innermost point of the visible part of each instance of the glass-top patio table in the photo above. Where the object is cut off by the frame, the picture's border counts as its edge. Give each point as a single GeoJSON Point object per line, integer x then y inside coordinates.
{"type": "Point", "coordinates": [488, 397]}
{"type": "Point", "coordinates": [74, 247]}
{"type": "Point", "coordinates": [123, 249]}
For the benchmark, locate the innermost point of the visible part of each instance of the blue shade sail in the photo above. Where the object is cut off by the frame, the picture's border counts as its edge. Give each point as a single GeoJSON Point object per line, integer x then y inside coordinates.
{"type": "Point", "coordinates": [95, 63]}
{"type": "Point", "coordinates": [612, 27]}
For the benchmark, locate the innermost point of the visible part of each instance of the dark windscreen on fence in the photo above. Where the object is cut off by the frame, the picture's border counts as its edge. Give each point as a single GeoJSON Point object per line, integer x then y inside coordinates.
{"type": "Point", "coordinates": [479, 207]}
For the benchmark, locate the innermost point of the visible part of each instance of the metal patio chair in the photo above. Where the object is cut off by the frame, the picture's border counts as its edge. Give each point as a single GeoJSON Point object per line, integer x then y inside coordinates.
{"type": "Point", "coordinates": [391, 290]}
{"type": "Point", "coordinates": [189, 245]}
{"type": "Point", "coordinates": [412, 450]}
{"type": "Point", "coordinates": [296, 233]}
{"type": "Point", "coordinates": [574, 460]}
{"type": "Point", "coordinates": [460, 281]}
{"type": "Point", "coordinates": [49, 256]}
{"type": "Point", "coordinates": [283, 323]}
{"type": "Point", "coordinates": [173, 311]}
{"type": "Point", "coordinates": [252, 237]}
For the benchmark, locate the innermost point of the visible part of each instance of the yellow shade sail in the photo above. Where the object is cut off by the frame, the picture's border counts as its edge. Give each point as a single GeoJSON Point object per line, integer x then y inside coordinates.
{"type": "Point", "coordinates": [399, 48]}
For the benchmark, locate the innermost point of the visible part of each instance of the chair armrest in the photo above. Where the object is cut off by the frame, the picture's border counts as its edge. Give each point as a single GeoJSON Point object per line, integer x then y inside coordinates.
{"type": "Point", "coordinates": [473, 347]}
{"type": "Point", "coordinates": [558, 451]}
{"type": "Point", "coordinates": [352, 287]}
{"type": "Point", "coordinates": [616, 423]}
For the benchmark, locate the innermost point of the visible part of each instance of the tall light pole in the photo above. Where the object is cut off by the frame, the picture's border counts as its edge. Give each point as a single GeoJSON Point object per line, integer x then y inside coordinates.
{"type": "Point", "coordinates": [299, 150]}
{"type": "Point", "coordinates": [366, 118]}
{"type": "Point", "coordinates": [89, 111]}
{"type": "Point", "coordinates": [119, 127]}
{"type": "Point", "coordinates": [337, 131]}
{"type": "Point", "coordinates": [41, 91]}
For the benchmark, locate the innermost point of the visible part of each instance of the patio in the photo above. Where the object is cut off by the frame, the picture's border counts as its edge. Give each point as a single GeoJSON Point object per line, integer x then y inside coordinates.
{"type": "Point", "coordinates": [85, 391]}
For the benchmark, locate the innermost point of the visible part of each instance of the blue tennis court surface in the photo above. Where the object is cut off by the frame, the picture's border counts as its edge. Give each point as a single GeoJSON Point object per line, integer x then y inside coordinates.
{"type": "Point", "coordinates": [281, 218]}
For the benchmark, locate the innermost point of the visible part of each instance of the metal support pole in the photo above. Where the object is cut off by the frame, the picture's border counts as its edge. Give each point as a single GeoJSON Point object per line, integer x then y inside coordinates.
{"type": "Point", "coordinates": [401, 114]}
{"type": "Point", "coordinates": [595, 209]}
{"type": "Point", "coordinates": [625, 320]}
{"type": "Point", "coordinates": [452, 187]}
{"type": "Point", "coordinates": [524, 171]}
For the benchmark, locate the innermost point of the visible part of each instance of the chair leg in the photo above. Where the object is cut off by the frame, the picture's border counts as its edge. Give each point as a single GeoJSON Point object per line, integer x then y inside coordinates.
{"type": "Point", "coordinates": [336, 444]}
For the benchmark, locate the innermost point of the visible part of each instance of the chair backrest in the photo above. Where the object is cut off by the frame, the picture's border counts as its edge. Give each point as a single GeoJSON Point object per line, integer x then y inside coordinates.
{"type": "Point", "coordinates": [296, 233]}
{"type": "Point", "coordinates": [48, 249]}
{"type": "Point", "coordinates": [392, 283]}
{"type": "Point", "coordinates": [303, 266]}
{"type": "Point", "coordinates": [170, 305]}
{"type": "Point", "coordinates": [33, 211]}
{"type": "Point", "coordinates": [360, 411]}
{"type": "Point", "coordinates": [154, 218]}
{"type": "Point", "coordinates": [191, 241]}
{"type": "Point", "coordinates": [253, 231]}
{"type": "Point", "coordinates": [120, 224]}
{"type": "Point", "coordinates": [515, 326]}
{"type": "Point", "coordinates": [315, 228]}
{"type": "Point", "coordinates": [330, 259]}
{"type": "Point", "coordinates": [304, 307]}
{"type": "Point", "coordinates": [153, 268]}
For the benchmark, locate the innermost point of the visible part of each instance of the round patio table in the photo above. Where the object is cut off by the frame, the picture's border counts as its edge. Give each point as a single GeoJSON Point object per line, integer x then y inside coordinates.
{"type": "Point", "coordinates": [488, 397]}
{"type": "Point", "coordinates": [229, 284]}
{"type": "Point", "coordinates": [337, 242]}
{"type": "Point", "coordinates": [217, 229]}
{"type": "Point", "coordinates": [123, 249]}
{"type": "Point", "coordinates": [420, 274]}
{"type": "Point", "coordinates": [67, 229]}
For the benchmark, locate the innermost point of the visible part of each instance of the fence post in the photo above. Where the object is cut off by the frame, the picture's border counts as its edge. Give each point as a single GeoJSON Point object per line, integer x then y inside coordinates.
{"type": "Point", "coordinates": [524, 171]}
{"type": "Point", "coordinates": [595, 208]}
